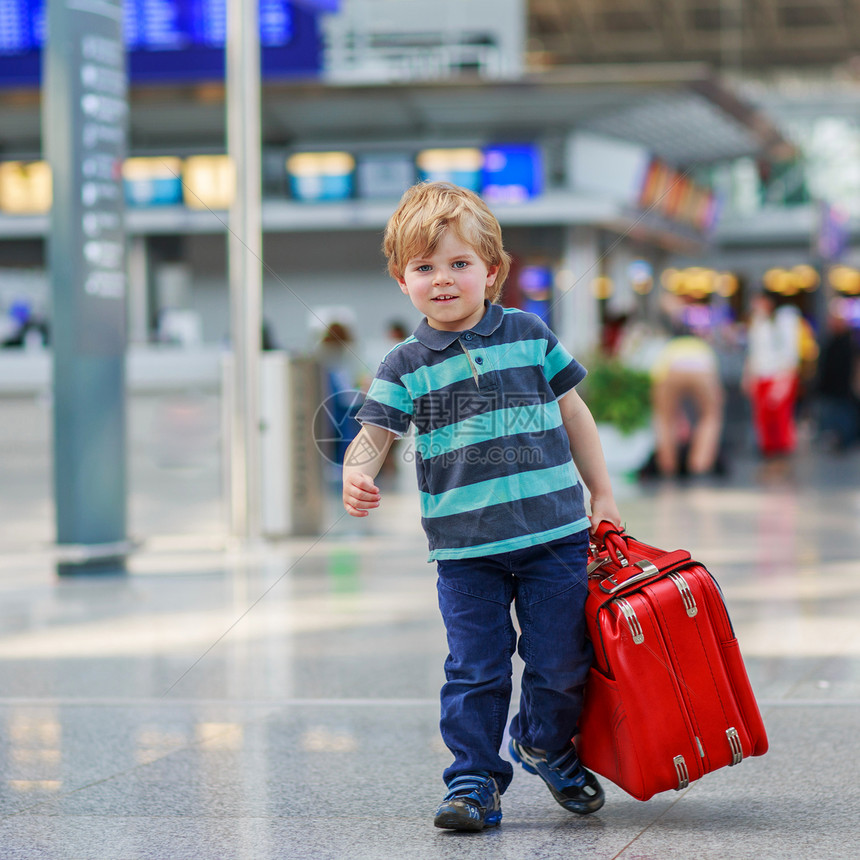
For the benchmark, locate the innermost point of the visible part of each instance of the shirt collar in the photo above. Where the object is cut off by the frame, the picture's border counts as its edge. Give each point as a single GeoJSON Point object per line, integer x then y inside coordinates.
{"type": "Point", "coordinates": [435, 339]}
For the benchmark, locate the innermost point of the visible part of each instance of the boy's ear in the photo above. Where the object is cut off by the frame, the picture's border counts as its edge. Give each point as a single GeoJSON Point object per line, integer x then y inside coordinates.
{"type": "Point", "coordinates": [492, 272]}
{"type": "Point", "coordinates": [401, 282]}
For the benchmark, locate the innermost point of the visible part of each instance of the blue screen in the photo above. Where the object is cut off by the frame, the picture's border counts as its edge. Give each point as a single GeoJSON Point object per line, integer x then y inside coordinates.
{"type": "Point", "coordinates": [172, 40]}
{"type": "Point", "coordinates": [512, 172]}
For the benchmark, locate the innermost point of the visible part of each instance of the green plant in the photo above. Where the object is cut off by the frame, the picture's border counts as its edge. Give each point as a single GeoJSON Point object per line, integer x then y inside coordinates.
{"type": "Point", "coordinates": [617, 394]}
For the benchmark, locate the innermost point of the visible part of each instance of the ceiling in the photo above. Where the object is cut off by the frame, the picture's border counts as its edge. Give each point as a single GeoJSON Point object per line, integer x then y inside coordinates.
{"type": "Point", "coordinates": [633, 69]}
{"type": "Point", "coordinates": [734, 35]}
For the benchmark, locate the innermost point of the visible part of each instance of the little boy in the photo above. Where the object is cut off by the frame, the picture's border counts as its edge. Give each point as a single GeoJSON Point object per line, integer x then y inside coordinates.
{"type": "Point", "coordinates": [498, 428]}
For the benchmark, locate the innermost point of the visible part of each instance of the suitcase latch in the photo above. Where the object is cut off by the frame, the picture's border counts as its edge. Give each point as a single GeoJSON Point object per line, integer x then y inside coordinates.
{"type": "Point", "coordinates": [735, 744]}
{"type": "Point", "coordinates": [686, 594]}
{"type": "Point", "coordinates": [595, 565]}
{"type": "Point", "coordinates": [683, 773]}
{"type": "Point", "coordinates": [632, 621]}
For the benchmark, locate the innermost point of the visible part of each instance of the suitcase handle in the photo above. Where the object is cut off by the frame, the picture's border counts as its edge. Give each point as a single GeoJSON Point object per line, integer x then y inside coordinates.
{"type": "Point", "coordinates": [608, 537]}
{"type": "Point", "coordinates": [613, 541]}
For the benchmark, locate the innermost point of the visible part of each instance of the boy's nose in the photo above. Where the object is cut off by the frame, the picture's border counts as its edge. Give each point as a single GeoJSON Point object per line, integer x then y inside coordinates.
{"type": "Point", "coordinates": [442, 277]}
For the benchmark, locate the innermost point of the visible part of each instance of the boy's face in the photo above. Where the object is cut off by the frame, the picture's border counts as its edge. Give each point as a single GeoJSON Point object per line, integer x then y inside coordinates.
{"type": "Point", "coordinates": [448, 285]}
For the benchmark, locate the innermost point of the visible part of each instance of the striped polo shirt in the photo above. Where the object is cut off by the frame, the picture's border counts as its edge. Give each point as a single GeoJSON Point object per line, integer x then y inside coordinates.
{"type": "Point", "coordinates": [492, 456]}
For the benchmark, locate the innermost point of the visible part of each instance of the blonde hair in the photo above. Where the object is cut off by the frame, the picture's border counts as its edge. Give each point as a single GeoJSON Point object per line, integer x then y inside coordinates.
{"type": "Point", "coordinates": [423, 215]}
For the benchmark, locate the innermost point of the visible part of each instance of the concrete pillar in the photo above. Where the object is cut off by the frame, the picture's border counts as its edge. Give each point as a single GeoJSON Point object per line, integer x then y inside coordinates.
{"type": "Point", "coordinates": [575, 308]}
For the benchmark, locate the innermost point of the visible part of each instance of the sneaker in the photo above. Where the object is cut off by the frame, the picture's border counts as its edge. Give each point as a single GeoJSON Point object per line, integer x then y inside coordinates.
{"type": "Point", "coordinates": [472, 803]}
{"type": "Point", "coordinates": [574, 787]}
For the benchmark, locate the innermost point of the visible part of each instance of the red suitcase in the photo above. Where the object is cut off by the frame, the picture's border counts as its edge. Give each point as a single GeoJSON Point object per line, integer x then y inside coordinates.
{"type": "Point", "coordinates": [668, 698]}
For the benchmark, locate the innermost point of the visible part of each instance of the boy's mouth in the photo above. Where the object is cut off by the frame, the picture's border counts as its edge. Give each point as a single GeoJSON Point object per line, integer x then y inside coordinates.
{"type": "Point", "coordinates": [444, 298]}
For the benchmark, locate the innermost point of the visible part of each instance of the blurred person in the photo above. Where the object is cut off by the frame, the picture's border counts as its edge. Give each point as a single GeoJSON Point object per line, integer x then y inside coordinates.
{"type": "Point", "coordinates": [614, 330]}
{"type": "Point", "coordinates": [499, 426]}
{"type": "Point", "coordinates": [342, 378]}
{"type": "Point", "coordinates": [772, 374]}
{"type": "Point", "coordinates": [642, 342]}
{"type": "Point", "coordinates": [688, 399]}
{"type": "Point", "coordinates": [23, 327]}
{"type": "Point", "coordinates": [808, 353]}
{"type": "Point", "coordinates": [268, 341]}
{"type": "Point", "coordinates": [837, 383]}
{"type": "Point", "coordinates": [396, 333]}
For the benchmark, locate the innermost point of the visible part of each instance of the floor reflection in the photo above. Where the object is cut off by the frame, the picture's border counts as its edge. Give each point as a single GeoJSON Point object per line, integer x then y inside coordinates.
{"type": "Point", "coordinates": [268, 703]}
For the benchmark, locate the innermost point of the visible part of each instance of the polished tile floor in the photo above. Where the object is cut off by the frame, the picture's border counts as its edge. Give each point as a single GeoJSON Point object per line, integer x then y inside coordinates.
{"type": "Point", "coordinates": [280, 701]}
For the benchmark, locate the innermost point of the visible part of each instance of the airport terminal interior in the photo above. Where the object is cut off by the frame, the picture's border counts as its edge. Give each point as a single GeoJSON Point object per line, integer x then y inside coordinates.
{"type": "Point", "coordinates": [234, 678]}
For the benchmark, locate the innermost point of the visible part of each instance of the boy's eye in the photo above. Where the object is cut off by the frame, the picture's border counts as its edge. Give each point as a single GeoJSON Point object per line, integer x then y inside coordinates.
{"type": "Point", "coordinates": [460, 264]}
{"type": "Point", "coordinates": [424, 267]}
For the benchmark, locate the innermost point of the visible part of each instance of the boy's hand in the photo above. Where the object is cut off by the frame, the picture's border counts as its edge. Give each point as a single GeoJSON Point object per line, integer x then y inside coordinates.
{"type": "Point", "coordinates": [360, 494]}
{"type": "Point", "coordinates": [604, 510]}
{"type": "Point", "coordinates": [361, 464]}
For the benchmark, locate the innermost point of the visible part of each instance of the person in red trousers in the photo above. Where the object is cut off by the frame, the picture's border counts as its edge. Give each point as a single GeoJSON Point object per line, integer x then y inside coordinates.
{"type": "Point", "coordinates": [771, 374]}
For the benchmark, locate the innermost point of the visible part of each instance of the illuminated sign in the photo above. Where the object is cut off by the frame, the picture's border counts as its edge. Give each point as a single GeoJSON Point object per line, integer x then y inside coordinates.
{"type": "Point", "coordinates": [535, 283]}
{"type": "Point", "coordinates": [173, 40]}
{"type": "Point", "coordinates": [512, 173]}
{"type": "Point", "coordinates": [462, 167]}
{"type": "Point", "coordinates": [316, 176]}
{"type": "Point", "coordinates": [384, 175]}
{"type": "Point", "coordinates": [152, 181]}
{"type": "Point", "coordinates": [25, 187]}
{"type": "Point", "coordinates": [208, 182]}
{"type": "Point", "coordinates": [672, 194]}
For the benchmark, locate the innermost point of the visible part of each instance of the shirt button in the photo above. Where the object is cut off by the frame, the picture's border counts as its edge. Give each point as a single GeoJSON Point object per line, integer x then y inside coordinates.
{"type": "Point", "coordinates": [479, 360]}
{"type": "Point", "coordinates": [469, 336]}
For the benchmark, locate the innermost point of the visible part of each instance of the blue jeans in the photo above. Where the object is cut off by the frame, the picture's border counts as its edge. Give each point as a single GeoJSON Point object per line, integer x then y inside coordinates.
{"type": "Point", "coordinates": [548, 586]}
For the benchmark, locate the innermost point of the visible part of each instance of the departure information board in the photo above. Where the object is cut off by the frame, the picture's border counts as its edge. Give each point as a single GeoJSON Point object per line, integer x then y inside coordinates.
{"type": "Point", "coordinates": [170, 40]}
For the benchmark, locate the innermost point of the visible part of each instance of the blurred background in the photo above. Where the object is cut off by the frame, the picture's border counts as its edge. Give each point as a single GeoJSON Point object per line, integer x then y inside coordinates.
{"type": "Point", "coordinates": [656, 166]}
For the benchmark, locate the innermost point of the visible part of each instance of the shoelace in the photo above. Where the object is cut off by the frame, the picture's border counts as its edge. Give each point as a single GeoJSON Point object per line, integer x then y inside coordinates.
{"type": "Point", "coordinates": [567, 764]}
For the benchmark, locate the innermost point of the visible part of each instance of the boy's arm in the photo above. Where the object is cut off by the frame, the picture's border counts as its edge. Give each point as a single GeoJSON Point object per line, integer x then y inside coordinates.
{"type": "Point", "coordinates": [588, 456]}
{"type": "Point", "coordinates": [361, 464]}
